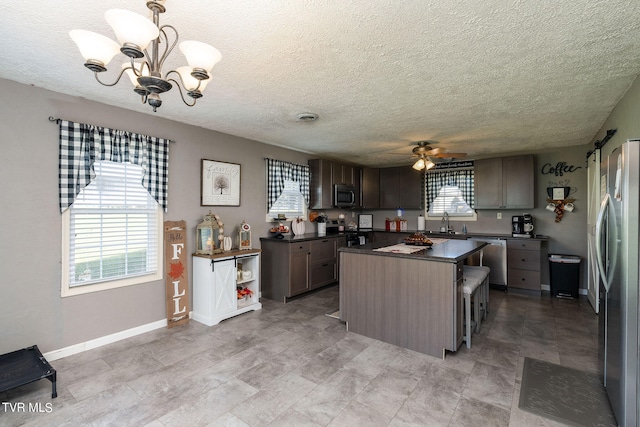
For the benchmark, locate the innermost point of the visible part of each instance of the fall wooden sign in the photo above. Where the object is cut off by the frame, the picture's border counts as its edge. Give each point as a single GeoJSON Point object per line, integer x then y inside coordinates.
{"type": "Point", "coordinates": [176, 280]}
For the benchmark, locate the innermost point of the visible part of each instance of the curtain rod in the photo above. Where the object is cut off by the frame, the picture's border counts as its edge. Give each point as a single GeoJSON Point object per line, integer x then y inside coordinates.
{"type": "Point", "coordinates": [58, 120]}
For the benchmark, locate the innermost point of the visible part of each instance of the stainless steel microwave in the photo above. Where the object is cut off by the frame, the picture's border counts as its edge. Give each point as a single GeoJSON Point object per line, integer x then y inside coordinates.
{"type": "Point", "coordinates": [344, 196]}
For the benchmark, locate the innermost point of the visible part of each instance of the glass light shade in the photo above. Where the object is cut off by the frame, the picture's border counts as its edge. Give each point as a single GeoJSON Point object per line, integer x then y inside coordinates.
{"type": "Point", "coordinates": [94, 46]}
{"type": "Point", "coordinates": [200, 55]}
{"type": "Point", "coordinates": [190, 82]}
{"type": "Point", "coordinates": [429, 164]}
{"type": "Point", "coordinates": [131, 27]}
{"type": "Point", "coordinates": [419, 165]}
{"type": "Point", "coordinates": [140, 66]}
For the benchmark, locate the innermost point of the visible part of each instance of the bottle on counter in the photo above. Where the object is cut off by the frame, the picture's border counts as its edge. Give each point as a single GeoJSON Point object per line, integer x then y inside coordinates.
{"type": "Point", "coordinates": [464, 228]}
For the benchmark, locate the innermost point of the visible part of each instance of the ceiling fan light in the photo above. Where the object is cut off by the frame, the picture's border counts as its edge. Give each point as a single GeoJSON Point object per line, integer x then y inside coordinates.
{"type": "Point", "coordinates": [419, 165]}
{"type": "Point", "coordinates": [200, 55]}
{"type": "Point", "coordinates": [94, 46]}
{"type": "Point", "coordinates": [190, 82]}
{"type": "Point", "coordinates": [429, 164]}
{"type": "Point", "coordinates": [131, 28]}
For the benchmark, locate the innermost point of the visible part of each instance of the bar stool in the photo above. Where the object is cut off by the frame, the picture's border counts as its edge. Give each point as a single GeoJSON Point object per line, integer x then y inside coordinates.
{"type": "Point", "coordinates": [475, 290]}
{"type": "Point", "coordinates": [483, 273]}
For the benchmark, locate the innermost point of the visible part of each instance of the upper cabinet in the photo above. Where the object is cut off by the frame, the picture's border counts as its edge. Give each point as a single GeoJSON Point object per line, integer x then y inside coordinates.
{"type": "Point", "coordinates": [344, 174]}
{"type": "Point", "coordinates": [400, 187]}
{"type": "Point", "coordinates": [324, 175]}
{"type": "Point", "coordinates": [504, 183]}
{"type": "Point", "coordinates": [370, 188]}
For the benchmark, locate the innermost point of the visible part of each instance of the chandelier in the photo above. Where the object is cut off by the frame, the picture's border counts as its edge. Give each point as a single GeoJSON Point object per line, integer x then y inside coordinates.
{"type": "Point", "coordinates": [141, 39]}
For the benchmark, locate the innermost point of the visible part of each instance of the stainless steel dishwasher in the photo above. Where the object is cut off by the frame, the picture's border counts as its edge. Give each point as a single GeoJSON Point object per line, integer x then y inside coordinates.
{"type": "Point", "coordinates": [494, 256]}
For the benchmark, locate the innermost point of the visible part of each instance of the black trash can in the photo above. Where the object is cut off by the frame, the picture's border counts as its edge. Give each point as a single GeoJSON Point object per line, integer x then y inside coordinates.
{"type": "Point", "coordinates": [564, 273]}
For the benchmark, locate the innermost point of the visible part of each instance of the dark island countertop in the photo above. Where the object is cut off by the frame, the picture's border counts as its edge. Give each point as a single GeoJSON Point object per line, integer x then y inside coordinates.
{"type": "Point", "coordinates": [453, 250]}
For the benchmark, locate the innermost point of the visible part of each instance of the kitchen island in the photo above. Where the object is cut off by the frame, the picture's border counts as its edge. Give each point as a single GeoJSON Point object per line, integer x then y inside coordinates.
{"type": "Point", "coordinates": [412, 300]}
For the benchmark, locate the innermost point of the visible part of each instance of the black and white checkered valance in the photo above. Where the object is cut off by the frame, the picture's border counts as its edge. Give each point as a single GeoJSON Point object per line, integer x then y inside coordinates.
{"type": "Point", "coordinates": [278, 171]}
{"type": "Point", "coordinates": [81, 145]}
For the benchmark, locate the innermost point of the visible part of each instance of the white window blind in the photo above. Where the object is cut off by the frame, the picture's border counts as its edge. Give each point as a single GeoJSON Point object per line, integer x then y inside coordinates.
{"type": "Point", "coordinates": [113, 227]}
{"type": "Point", "coordinates": [450, 200]}
{"type": "Point", "coordinates": [290, 202]}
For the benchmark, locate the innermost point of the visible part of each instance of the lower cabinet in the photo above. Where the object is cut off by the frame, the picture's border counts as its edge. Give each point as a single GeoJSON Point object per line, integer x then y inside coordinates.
{"type": "Point", "coordinates": [225, 285]}
{"type": "Point", "coordinates": [323, 268]}
{"type": "Point", "coordinates": [523, 264]}
{"type": "Point", "coordinates": [291, 268]}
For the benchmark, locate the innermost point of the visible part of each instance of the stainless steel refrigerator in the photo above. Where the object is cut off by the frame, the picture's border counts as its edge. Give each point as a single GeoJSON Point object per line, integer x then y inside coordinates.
{"type": "Point", "coordinates": [617, 228]}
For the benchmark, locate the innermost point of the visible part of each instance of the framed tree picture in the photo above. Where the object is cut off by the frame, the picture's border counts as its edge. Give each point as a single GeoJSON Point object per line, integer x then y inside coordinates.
{"type": "Point", "coordinates": [220, 183]}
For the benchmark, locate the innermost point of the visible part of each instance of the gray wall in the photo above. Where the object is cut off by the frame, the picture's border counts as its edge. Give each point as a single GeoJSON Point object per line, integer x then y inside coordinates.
{"type": "Point", "coordinates": [31, 309]}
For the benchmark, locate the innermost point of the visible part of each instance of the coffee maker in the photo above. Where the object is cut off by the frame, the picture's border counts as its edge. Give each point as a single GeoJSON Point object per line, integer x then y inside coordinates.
{"type": "Point", "coordinates": [522, 226]}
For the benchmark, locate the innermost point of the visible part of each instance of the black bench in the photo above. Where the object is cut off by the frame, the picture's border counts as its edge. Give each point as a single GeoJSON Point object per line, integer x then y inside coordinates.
{"type": "Point", "coordinates": [25, 366]}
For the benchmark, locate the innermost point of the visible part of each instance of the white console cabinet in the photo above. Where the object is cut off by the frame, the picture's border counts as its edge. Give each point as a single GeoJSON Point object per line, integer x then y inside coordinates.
{"type": "Point", "coordinates": [216, 279]}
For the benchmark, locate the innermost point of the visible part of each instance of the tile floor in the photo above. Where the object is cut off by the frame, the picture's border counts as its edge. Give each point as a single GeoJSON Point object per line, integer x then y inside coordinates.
{"type": "Point", "coordinates": [290, 365]}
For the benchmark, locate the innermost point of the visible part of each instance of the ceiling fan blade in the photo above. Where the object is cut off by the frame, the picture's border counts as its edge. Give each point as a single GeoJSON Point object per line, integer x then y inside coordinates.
{"type": "Point", "coordinates": [434, 151]}
{"type": "Point", "coordinates": [449, 155]}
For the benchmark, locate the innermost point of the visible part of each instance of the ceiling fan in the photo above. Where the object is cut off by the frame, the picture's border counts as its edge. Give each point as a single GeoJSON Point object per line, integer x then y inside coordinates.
{"type": "Point", "coordinates": [427, 154]}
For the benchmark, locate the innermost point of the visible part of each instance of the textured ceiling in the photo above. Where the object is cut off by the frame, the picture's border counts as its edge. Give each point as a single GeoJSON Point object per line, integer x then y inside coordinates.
{"type": "Point", "coordinates": [483, 77]}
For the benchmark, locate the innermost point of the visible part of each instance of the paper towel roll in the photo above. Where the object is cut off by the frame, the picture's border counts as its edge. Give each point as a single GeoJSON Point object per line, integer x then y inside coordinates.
{"type": "Point", "coordinates": [420, 223]}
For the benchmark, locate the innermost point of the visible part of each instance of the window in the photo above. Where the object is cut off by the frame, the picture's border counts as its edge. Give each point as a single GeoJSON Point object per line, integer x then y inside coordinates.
{"type": "Point", "coordinates": [450, 191]}
{"type": "Point", "coordinates": [112, 233]}
{"type": "Point", "coordinates": [287, 189]}
{"type": "Point", "coordinates": [290, 203]}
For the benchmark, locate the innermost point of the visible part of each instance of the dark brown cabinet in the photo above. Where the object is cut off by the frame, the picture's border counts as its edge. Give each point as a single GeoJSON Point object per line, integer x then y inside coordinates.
{"type": "Point", "coordinates": [370, 188]}
{"type": "Point", "coordinates": [523, 264]}
{"type": "Point", "coordinates": [293, 268]}
{"type": "Point", "coordinates": [401, 187]}
{"type": "Point", "coordinates": [344, 174]}
{"type": "Point", "coordinates": [324, 175]}
{"type": "Point", "coordinates": [323, 269]}
{"type": "Point", "coordinates": [299, 269]}
{"type": "Point", "coordinates": [504, 183]}
{"type": "Point", "coordinates": [321, 184]}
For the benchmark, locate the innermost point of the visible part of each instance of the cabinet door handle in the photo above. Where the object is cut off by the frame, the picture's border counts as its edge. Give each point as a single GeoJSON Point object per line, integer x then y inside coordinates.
{"type": "Point", "coordinates": [523, 260]}
{"type": "Point", "coordinates": [325, 265]}
{"type": "Point", "coordinates": [213, 266]}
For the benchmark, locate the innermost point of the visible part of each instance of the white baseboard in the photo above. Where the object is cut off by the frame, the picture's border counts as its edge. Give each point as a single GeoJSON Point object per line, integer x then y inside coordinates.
{"type": "Point", "coordinates": [108, 339]}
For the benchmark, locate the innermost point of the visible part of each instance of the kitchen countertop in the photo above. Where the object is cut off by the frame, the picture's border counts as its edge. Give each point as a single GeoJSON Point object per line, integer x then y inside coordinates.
{"type": "Point", "coordinates": [461, 236]}
{"type": "Point", "coordinates": [290, 238]}
{"type": "Point", "coordinates": [453, 250]}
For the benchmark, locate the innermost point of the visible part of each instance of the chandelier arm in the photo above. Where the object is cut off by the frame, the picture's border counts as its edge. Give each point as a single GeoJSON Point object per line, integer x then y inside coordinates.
{"type": "Point", "coordinates": [168, 49]}
{"type": "Point", "coordinates": [179, 85]}
{"type": "Point", "coordinates": [115, 82]}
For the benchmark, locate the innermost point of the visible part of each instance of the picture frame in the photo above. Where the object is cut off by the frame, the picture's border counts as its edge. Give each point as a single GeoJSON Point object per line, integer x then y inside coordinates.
{"type": "Point", "coordinates": [219, 184]}
{"type": "Point", "coordinates": [558, 193]}
{"type": "Point", "coordinates": [365, 222]}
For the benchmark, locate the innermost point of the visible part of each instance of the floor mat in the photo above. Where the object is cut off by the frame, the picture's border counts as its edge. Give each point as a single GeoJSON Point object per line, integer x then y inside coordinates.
{"type": "Point", "coordinates": [564, 394]}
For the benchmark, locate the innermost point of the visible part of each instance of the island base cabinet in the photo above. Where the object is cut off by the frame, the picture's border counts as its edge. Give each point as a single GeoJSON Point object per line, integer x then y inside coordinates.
{"type": "Point", "coordinates": [410, 303]}
{"type": "Point", "coordinates": [215, 287]}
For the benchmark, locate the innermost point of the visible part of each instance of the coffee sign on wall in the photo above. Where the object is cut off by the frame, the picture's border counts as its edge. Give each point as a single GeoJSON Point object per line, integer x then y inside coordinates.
{"type": "Point", "coordinates": [176, 280]}
{"type": "Point", "coordinates": [559, 169]}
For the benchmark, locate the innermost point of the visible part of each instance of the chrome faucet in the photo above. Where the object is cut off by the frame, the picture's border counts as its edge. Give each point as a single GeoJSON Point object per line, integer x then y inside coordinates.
{"type": "Point", "coordinates": [445, 219]}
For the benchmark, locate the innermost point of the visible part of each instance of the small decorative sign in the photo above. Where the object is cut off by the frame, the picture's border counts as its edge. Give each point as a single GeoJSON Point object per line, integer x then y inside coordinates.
{"type": "Point", "coordinates": [176, 280]}
{"type": "Point", "coordinates": [220, 183]}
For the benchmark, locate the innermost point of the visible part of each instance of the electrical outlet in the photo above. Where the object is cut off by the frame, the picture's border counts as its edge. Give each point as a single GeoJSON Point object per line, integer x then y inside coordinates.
{"type": "Point", "coordinates": [499, 215]}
